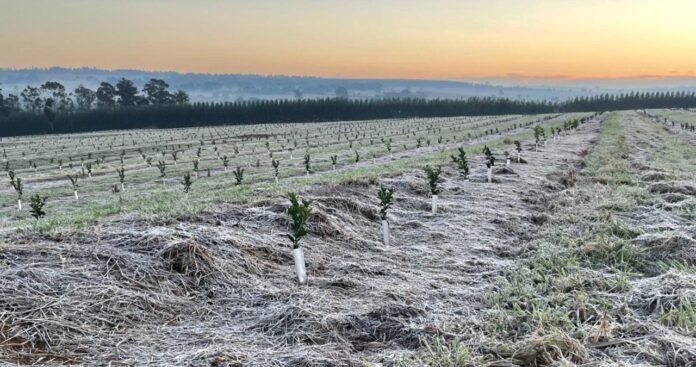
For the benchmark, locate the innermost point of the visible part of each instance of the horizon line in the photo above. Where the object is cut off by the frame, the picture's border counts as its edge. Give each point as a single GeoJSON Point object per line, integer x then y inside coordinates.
{"type": "Point", "coordinates": [464, 78]}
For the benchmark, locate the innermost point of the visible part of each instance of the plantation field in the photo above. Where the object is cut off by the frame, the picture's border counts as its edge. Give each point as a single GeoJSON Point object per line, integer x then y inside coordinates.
{"type": "Point", "coordinates": [44, 162]}
{"type": "Point", "coordinates": [580, 253]}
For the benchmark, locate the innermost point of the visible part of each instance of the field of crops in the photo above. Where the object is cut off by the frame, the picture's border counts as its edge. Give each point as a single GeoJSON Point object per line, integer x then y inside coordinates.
{"type": "Point", "coordinates": [580, 252]}
{"type": "Point", "coordinates": [153, 162]}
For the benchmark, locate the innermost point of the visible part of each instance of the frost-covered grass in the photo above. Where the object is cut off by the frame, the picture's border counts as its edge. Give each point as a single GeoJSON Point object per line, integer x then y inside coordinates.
{"type": "Point", "coordinates": [615, 265]}
{"type": "Point", "coordinates": [245, 146]}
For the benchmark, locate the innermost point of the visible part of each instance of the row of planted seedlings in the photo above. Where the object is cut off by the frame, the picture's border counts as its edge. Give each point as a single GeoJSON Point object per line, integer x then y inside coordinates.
{"type": "Point", "coordinates": [238, 173]}
{"type": "Point", "coordinates": [300, 210]}
{"type": "Point", "coordinates": [103, 158]}
{"type": "Point", "coordinates": [18, 185]}
{"type": "Point", "coordinates": [307, 164]}
{"type": "Point", "coordinates": [70, 142]}
{"type": "Point", "coordinates": [149, 159]}
{"type": "Point", "coordinates": [86, 168]}
{"type": "Point", "coordinates": [93, 149]}
{"type": "Point", "coordinates": [219, 157]}
{"type": "Point", "coordinates": [161, 166]}
{"type": "Point", "coordinates": [681, 126]}
{"type": "Point", "coordinates": [382, 128]}
{"type": "Point", "coordinates": [111, 140]}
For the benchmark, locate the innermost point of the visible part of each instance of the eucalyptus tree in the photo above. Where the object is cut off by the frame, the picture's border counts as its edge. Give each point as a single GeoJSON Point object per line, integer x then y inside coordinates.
{"type": "Point", "coordinates": [157, 93]}
{"type": "Point", "coordinates": [127, 92]}
{"type": "Point", "coordinates": [106, 95]}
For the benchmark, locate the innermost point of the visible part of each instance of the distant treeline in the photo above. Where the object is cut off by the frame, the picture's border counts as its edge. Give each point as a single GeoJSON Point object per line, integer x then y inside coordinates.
{"type": "Point", "coordinates": [170, 113]}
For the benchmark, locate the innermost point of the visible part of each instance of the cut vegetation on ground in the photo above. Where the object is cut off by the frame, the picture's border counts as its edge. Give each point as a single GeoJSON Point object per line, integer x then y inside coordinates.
{"type": "Point", "coordinates": [580, 251]}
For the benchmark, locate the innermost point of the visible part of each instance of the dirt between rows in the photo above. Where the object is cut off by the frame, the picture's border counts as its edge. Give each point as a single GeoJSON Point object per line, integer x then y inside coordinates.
{"type": "Point", "coordinates": [219, 289]}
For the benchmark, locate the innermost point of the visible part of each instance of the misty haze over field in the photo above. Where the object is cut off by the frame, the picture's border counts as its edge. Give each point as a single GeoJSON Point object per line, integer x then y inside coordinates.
{"type": "Point", "coordinates": [232, 87]}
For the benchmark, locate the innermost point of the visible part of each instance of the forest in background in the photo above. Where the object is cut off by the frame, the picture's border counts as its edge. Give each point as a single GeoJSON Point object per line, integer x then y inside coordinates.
{"type": "Point", "coordinates": [50, 108]}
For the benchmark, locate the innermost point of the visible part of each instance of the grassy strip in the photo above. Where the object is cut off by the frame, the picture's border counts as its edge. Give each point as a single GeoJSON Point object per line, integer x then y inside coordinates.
{"type": "Point", "coordinates": [573, 288]}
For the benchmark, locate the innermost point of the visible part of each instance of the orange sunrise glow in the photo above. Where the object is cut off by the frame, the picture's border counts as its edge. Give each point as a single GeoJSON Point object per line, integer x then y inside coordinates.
{"type": "Point", "coordinates": [442, 39]}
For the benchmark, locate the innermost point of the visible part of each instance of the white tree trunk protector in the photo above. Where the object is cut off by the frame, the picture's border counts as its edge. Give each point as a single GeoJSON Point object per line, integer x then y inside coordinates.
{"type": "Point", "coordinates": [298, 256]}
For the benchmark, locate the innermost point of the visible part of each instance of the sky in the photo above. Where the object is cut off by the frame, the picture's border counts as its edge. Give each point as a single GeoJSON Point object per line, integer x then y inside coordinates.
{"type": "Point", "coordinates": [418, 39]}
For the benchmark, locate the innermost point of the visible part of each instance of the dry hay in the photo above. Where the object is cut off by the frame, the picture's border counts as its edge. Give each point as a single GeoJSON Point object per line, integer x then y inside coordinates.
{"type": "Point", "coordinates": [661, 246]}
{"type": "Point", "coordinates": [546, 350]}
{"type": "Point", "coordinates": [654, 176]}
{"type": "Point", "coordinates": [218, 289]}
{"type": "Point", "coordinates": [189, 258]}
{"type": "Point", "coordinates": [667, 188]}
{"type": "Point", "coordinates": [673, 198]}
{"type": "Point", "coordinates": [504, 171]}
